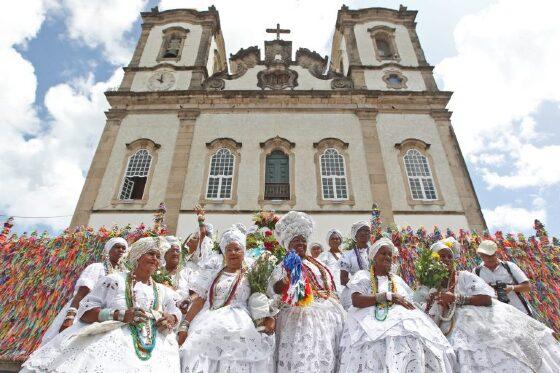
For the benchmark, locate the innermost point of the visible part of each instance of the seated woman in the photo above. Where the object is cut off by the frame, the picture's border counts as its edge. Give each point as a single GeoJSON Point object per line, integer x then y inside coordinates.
{"type": "Point", "coordinates": [113, 254]}
{"type": "Point", "coordinates": [384, 331]}
{"type": "Point", "coordinates": [221, 334]}
{"type": "Point", "coordinates": [487, 335]}
{"type": "Point", "coordinates": [131, 319]}
{"type": "Point", "coordinates": [356, 259]}
{"type": "Point", "coordinates": [308, 335]}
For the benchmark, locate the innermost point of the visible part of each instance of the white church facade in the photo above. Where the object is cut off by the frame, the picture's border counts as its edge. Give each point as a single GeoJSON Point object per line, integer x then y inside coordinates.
{"type": "Point", "coordinates": [276, 130]}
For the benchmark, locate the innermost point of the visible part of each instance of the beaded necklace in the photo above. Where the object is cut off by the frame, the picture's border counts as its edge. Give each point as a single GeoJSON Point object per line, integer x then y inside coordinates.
{"type": "Point", "coordinates": [382, 310]}
{"type": "Point", "coordinates": [232, 290]}
{"type": "Point", "coordinates": [143, 334]}
{"type": "Point", "coordinates": [320, 290]}
{"type": "Point", "coordinates": [450, 315]}
{"type": "Point", "coordinates": [359, 257]}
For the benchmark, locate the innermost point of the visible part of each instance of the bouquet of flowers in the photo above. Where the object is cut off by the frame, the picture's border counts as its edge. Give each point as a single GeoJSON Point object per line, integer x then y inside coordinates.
{"type": "Point", "coordinates": [348, 244]}
{"type": "Point", "coordinates": [260, 272]}
{"type": "Point", "coordinates": [266, 219]}
{"type": "Point", "coordinates": [163, 277]}
{"type": "Point", "coordinates": [430, 270]}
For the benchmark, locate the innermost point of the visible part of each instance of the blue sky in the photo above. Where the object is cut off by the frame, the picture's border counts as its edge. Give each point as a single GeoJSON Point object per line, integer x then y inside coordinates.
{"type": "Point", "coordinates": [499, 57]}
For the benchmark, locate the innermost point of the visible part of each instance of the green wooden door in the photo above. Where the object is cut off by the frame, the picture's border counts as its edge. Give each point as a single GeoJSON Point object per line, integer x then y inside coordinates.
{"type": "Point", "coordinates": [277, 168]}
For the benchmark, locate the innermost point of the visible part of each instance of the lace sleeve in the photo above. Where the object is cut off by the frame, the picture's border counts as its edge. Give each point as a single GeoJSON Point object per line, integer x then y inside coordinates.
{"type": "Point", "coordinates": [277, 274]}
{"type": "Point", "coordinates": [90, 276]}
{"type": "Point", "coordinates": [470, 284]}
{"type": "Point", "coordinates": [169, 301]}
{"type": "Point", "coordinates": [360, 283]}
{"type": "Point", "coordinates": [183, 286]}
{"type": "Point", "coordinates": [201, 281]}
{"type": "Point", "coordinates": [97, 298]}
{"type": "Point", "coordinates": [345, 263]}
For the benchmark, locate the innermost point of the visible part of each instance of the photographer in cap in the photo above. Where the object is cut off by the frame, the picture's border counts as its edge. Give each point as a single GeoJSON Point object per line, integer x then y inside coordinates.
{"type": "Point", "coordinates": [506, 278]}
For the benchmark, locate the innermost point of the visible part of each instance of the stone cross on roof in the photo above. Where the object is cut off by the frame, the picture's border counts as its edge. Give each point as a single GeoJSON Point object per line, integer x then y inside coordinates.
{"type": "Point", "coordinates": [277, 31]}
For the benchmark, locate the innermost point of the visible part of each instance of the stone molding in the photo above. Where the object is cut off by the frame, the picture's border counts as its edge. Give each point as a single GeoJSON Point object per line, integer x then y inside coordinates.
{"type": "Point", "coordinates": [224, 142]}
{"type": "Point", "coordinates": [188, 114]}
{"type": "Point", "coordinates": [387, 33]}
{"type": "Point", "coordinates": [347, 16]}
{"type": "Point", "coordinates": [387, 75]}
{"type": "Point", "coordinates": [192, 16]}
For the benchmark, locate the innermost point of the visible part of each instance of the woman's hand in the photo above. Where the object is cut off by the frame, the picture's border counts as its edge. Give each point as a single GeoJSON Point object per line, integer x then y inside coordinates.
{"type": "Point", "coordinates": [66, 324]}
{"type": "Point", "coordinates": [402, 301]}
{"type": "Point", "coordinates": [135, 316]}
{"type": "Point", "coordinates": [445, 299]}
{"type": "Point", "coordinates": [269, 324]}
{"type": "Point", "coordinates": [184, 306]}
{"type": "Point", "coordinates": [166, 322]}
{"type": "Point", "coordinates": [181, 336]}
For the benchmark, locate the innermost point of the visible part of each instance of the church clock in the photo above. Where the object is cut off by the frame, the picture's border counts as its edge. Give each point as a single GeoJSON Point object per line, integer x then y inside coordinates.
{"type": "Point", "coordinates": [161, 81]}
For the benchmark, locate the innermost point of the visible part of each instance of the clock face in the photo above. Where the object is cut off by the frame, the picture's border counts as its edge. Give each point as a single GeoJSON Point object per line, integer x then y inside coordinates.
{"type": "Point", "coordinates": [161, 81]}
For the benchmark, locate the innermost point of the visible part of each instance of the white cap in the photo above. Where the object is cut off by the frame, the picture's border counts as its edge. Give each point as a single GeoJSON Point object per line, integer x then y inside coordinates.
{"type": "Point", "coordinates": [487, 247]}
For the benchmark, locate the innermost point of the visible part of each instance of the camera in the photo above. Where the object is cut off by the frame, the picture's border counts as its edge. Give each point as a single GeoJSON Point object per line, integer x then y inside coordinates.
{"type": "Point", "coordinates": [500, 288]}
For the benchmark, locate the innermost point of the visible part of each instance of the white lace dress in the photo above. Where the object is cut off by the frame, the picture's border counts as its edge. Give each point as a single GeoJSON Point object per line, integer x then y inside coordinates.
{"type": "Point", "coordinates": [333, 263]}
{"type": "Point", "coordinates": [499, 338]}
{"type": "Point", "coordinates": [89, 277]}
{"type": "Point", "coordinates": [308, 338]}
{"type": "Point", "coordinates": [225, 339]}
{"type": "Point", "coordinates": [351, 264]}
{"type": "Point", "coordinates": [406, 341]}
{"type": "Point", "coordinates": [110, 351]}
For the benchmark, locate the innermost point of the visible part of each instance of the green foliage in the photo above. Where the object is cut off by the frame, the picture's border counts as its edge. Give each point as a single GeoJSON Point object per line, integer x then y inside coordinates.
{"type": "Point", "coordinates": [260, 272]}
{"type": "Point", "coordinates": [430, 271]}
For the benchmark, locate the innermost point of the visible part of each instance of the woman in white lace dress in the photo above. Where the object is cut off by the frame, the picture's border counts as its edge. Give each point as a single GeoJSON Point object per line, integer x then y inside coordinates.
{"type": "Point", "coordinates": [384, 331]}
{"type": "Point", "coordinates": [131, 319]}
{"type": "Point", "coordinates": [332, 257]}
{"type": "Point", "coordinates": [113, 254]}
{"type": "Point", "coordinates": [222, 336]}
{"type": "Point", "coordinates": [307, 337]}
{"type": "Point", "coordinates": [488, 336]}
{"type": "Point", "coordinates": [356, 259]}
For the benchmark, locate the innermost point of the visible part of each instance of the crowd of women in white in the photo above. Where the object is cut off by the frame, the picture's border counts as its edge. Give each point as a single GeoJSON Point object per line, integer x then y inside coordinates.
{"type": "Point", "coordinates": [363, 317]}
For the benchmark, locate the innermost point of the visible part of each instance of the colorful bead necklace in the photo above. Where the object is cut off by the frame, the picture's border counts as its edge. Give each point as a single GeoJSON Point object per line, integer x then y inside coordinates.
{"type": "Point", "coordinates": [324, 291]}
{"type": "Point", "coordinates": [232, 290]}
{"type": "Point", "coordinates": [144, 334]}
{"type": "Point", "coordinates": [382, 310]}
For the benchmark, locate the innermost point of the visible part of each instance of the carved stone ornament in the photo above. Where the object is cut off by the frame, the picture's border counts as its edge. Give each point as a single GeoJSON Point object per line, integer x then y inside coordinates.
{"type": "Point", "coordinates": [342, 83]}
{"type": "Point", "coordinates": [214, 83]}
{"type": "Point", "coordinates": [277, 77]}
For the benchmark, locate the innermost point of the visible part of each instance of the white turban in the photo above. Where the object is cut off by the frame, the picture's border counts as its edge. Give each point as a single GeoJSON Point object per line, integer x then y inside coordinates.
{"type": "Point", "coordinates": [112, 242]}
{"type": "Point", "coordinates": [291, 225]}
{"type": "Point", "coordinates": [173, 241]}
{"type": "Point", "coordinates": [357, 226]}
{"type": "Point", "coordinates": [383, 241]}
{"type": "Point", "coordinates": [447, 243]}
{"type": "Point", "coordinates": [252, 229]}
{"type": "Point", "coordinates": [334, 232]}
{"type": "Point", "coordinates": [232, 235]}
{"type": "Point", "coordinates": [145, 245]}
{"type": "Point", "coordinates": [310, 246]}
{"type": "Point", "coordinates": [241, 227]}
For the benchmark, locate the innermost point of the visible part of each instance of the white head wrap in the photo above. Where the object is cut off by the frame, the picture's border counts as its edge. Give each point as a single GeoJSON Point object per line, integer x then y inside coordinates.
{"type": "Point", "coordinates": [383, 241]}
{"type": "Point", "coordinates": [315, 243]}
{"type": "Point", "coordinates": [357, 226]}
{"type": "Point", "coordinates": [241, 227]}
{"type": "Point", "coordinates": [112, 242]}
{"type": "Point", "coordinates": [145, 245]}
{"type": "Point", "coordinates": [293, 224]}
{"type": "Point", "coordinates": [335, 232]}
{"type": "Point", "coordinates": [232, 235]}
{"type": "Point", "coordinates": [447, 243]}
{"type": "Point", "coordinates": [173, 241]}
{"type": "Point", "coordinates": [252, 229]}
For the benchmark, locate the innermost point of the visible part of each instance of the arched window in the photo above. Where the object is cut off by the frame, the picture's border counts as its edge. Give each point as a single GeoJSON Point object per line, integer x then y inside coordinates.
{"type": "Point", "coordinates": [277, 176]}
{"type": "Point", "coordinates": [220, 177]}
{"type": "Point", "coordinates": [333, 175]}
{"type": "Point", "coordinates": [136, 175]}
{"type": "Point", "coordinates": [383, 47]}
{"type": "Point", "coordinates": [384, 43]}
{"type": "Point", "coordinates": [419, 176]}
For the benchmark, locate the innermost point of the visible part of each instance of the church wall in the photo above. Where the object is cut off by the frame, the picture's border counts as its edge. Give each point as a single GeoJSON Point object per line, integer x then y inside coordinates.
{"type": "Point", "coordinates": [454, 222]}
{"type": "Point", "coordinates": [306, 81]}
{"type": "Point", "coordinates": [160, 128]}
{"type": "Point", "coordinates": [374, 80]}
{"type": "Point", "coordinates": [253, 128]}
{"type": "Point", "coordinates": [394, 129]}
{"type": "Point", "coordinates": [210, 63]}
{"type": "Point", "coordinates": [140, 82]}
{"type": "Point", "coordinates": [188, 53]}
{"type": "Point", "coordinates": [402, 39]}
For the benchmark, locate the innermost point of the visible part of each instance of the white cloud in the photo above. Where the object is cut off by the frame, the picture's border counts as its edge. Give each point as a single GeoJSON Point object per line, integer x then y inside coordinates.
{"type": "Point", "coordinates": [512, 219]}
{"type": "Point", "coordinates": [505, 68]}
{"type": "Point", "coordinates": [104, 23]}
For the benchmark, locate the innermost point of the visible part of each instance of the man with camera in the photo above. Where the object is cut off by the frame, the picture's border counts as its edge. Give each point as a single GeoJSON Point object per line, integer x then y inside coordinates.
{"type": "Point", "coordinates": [506, 278]}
